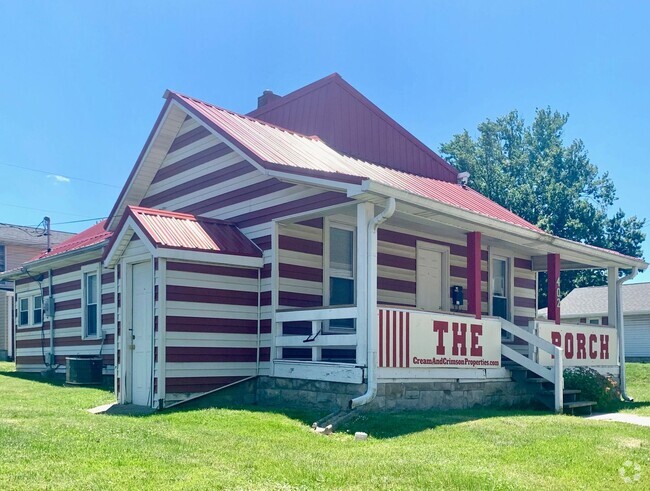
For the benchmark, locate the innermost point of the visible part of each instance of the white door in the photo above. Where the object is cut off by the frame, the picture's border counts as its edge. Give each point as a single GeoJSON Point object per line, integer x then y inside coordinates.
{"type": "Point", "coordinates": [142, 331]}
{"type": "Point", "coordinates": [429, 279]}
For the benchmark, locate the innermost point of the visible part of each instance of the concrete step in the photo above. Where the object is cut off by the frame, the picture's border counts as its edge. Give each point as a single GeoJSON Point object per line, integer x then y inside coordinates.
{"type": "Point", "coordinates": [572, 406]}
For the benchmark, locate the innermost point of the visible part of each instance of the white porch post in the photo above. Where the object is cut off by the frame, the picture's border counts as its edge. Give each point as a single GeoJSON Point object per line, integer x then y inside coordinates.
{"type": "Point", "coordinates": [612, 276]}
{"type": "Point", "coordinates": [365, 213]}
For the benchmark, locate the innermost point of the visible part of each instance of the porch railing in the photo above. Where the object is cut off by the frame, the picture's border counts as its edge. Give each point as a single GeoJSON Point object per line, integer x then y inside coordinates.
{"type": "Point", "coordinates": [553, 374]}
{"type": "Point", "coordinates": [318, 338]}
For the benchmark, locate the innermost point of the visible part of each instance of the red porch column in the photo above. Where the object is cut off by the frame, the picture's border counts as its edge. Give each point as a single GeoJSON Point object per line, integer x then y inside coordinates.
{"type": "Point", "coordinates": [474, 273]}
{"type": "Point", "coordinates": [553, 269]}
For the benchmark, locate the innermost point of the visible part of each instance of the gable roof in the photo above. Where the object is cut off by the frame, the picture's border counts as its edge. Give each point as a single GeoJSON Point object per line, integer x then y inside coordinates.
{"type": "Point", "coordinates": [182, 236]}
{"type": "Point", "coordinates": [184, 231]}
{"type": "Point", "coordinates": [588, 301]}
{"type": "Point", "coordinates": [351, 124]}
{"type": "Point", "coordinates": [275, 148]}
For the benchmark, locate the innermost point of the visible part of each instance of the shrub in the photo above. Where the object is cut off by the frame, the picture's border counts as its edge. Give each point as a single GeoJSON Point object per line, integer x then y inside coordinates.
{"type": "Point", "coordinates": [603, 389]}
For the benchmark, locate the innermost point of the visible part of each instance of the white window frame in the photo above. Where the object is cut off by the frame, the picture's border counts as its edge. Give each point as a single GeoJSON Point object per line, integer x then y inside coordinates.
{"type": "Point", "coordinates": [92, 269]}
{"type": "Point", "coordinates": [329, 272]}
{"type": "Point", "coordinates": [19, 311]}
{"type": "Point", "coordinates": [33, 309]}
{"type": "Point", "coordinates": [3, 257]}
{"type": "Point", "coordinates": [30, 298]}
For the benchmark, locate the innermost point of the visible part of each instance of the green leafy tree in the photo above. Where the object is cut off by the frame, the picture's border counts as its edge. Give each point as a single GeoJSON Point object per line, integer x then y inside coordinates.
{"type": "Point", "coordinates": [532, 172]}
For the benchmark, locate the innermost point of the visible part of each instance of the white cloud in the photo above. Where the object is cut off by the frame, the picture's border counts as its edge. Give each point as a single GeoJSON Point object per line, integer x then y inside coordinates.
{"type": "Point", "coordinates": [58, 178]}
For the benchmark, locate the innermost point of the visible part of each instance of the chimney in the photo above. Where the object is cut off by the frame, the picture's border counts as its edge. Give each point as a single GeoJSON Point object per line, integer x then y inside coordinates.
{"type": "Point", "coordinates": [266, 97]}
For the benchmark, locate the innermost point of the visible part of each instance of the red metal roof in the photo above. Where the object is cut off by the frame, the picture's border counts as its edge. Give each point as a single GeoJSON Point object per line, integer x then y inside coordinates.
{"type": "Point", "coordinates": [280, 149]}
{"type": "Point", "coordinates": [350, 123]}
{"type": "Point", "coordinates": [89, 237]}
{"type": "Point", "coordinates": [184, 231]}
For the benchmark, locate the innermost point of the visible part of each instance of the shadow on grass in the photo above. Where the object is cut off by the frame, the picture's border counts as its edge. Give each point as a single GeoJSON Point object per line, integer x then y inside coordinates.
{"type": "Point", "coordinates": [379, 425]}
{"type": "Point", "coordinates": [57, 380]}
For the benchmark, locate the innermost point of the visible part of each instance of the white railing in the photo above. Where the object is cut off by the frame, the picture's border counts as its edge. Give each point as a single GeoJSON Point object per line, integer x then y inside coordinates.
{"type": "Point", "coordinates": [553, 374]}
{"type": "Point", "coordinates": [317, 339]}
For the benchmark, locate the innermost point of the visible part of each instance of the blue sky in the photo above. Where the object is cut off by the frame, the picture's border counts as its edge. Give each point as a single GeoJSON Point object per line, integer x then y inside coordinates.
{"type": "Point", "coordinates": [81, 82]}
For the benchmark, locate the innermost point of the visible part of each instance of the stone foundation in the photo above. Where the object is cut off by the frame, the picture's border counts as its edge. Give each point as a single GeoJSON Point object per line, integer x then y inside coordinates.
{"type": "Point", "coordinates": [331, 396]}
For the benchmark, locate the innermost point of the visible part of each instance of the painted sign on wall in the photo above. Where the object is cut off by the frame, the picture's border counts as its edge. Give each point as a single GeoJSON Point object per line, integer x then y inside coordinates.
{"type": "Point", "coordinates": [582, 345]}
{"type": "Point", "coordinates": [409, 339]}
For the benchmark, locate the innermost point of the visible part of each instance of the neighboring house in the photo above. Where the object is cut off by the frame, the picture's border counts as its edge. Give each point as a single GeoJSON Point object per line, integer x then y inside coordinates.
{"type": "Point", "coordinates": [239, 250]}
{"type": "Point", "coordinates": [589, 306]}
{"type": "Point", "coordinates": [18, 244]}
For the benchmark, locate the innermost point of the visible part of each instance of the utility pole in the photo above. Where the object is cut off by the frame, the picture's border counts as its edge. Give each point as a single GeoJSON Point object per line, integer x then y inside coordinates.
{"type": "Point", "coordinates": [46, 221]}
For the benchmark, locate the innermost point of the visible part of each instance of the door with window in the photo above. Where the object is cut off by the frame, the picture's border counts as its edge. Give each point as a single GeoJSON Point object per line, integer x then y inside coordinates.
{"type": "Point", "coordinates": [500, 288]}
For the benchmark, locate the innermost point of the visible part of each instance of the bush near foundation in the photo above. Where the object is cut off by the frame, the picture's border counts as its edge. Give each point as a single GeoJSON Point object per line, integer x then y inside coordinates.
{"type": "Point", "coordinates": [603, 389]}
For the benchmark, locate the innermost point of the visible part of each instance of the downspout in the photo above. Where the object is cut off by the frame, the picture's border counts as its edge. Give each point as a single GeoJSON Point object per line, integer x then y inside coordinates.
{"type": "Point", "coordinates": [51, 315]}
{"type": "Point", "coordinates": [620, 328]}
{"type": "Point", "coordinates": [259, 320]}
{"type": "Point", "coordinates": [371, 316]}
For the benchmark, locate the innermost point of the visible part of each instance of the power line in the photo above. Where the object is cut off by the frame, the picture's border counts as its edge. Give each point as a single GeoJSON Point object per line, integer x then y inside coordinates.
{"type": "Point", "coordinates": [41, 209]}
{"type": "Point", "coordinates": [80, 221]}
{"type": "Point", "coordinates": [81, 179]}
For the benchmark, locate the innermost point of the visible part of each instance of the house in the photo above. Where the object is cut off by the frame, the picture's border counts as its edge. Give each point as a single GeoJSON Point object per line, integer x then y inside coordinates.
{"type": "Point", "coordinates": [350, 269]}
{"type": "Point", "coordinates": [589, 306]}
{"type": "Point", "coordinates": [18, 243]}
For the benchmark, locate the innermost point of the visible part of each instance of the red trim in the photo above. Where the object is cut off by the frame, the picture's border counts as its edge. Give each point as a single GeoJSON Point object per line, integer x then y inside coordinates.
{"type": "Point", "coordinates": [474, 273]}
{"type": "Point", "coordinates": [553, 269]}
{"type": "Point", "coordinates": [401, 339]}
{"type": "Point", "coordinates": [408, 340]}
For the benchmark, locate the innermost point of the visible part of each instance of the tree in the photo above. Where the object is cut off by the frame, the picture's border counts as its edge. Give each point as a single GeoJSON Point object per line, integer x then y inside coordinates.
{"type": "Point", "coordinates": [530, 171]}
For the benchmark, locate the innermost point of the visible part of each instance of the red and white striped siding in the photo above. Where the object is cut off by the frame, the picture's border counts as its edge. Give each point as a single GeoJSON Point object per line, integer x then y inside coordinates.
{"type": "Point", "coordinates": [68, 339]}
{"type": "Point", "coordinates": [205, 177]}
{"type": "Point", "coordinates": [393, 339]}
{"type": "Point", "coordinates": [211, 326]}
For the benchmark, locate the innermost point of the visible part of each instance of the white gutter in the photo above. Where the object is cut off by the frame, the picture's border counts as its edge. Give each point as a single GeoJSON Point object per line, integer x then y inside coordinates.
{"type": "Point", "coordinates": [371, 316]}
{"type": "Point", "coordinates": [496, 228]}
{"type": "Point", "coordinates": [620, 328]}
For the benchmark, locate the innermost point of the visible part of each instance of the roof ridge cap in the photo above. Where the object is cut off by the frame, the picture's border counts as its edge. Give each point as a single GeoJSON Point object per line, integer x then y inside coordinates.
{"type": "Point", "coordinates": [244, 116]}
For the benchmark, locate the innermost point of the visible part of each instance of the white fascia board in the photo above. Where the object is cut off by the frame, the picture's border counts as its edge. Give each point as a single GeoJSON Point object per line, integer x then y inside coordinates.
{"type": "Point", "coordinates": [119, 246]}
{"type": "Point", "coordinates": [190, 112]}
{"type": "Point", "coordinates": [146, 161]}
{"type": "Point", "coordinates": [549, 242]}
{"type": "Point", "coordinates": [329, 184]}
{"type": "Point", "coordinates": [210, 257]}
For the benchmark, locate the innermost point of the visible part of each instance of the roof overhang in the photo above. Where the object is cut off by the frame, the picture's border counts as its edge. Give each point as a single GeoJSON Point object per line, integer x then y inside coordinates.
{"type": "Point", "coordinates": [574, 254]}
{"type": "Point", "coordinates": [130, 227]}
{"type": "Point", "coordinates": [42, 265]}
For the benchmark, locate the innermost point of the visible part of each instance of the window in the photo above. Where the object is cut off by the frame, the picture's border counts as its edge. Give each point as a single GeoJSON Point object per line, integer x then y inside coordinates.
{"type": "Point", "coordinates": [3, 259]}
{"type": "Point", "coordinates": [37, 310]}
{"type": "Point", "coordinates": [341, 273]}
{"type": "Point", "coordinates": [90, 304]}
{"type": "Point", "coordinates": [23, 311]}
{"type": "Point", "coordinates": [499, 288]}
{"type": "Point", "coordinates": [30, 310]}
{"type": "Point", "coordinates": [594, 320]}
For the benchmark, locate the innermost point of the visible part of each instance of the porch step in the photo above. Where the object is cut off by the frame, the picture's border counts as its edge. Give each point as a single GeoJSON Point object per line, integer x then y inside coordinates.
{"type": "Point", "coordinates": [572, 406]}
{"type": "Point", "coordinates": [570, 395]}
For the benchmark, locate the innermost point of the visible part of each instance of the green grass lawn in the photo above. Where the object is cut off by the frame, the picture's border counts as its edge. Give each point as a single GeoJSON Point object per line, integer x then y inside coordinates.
{"type": "Point", "coordinates": [49, 441]}
{"type": "Point", "coordinates": [638, 387]}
